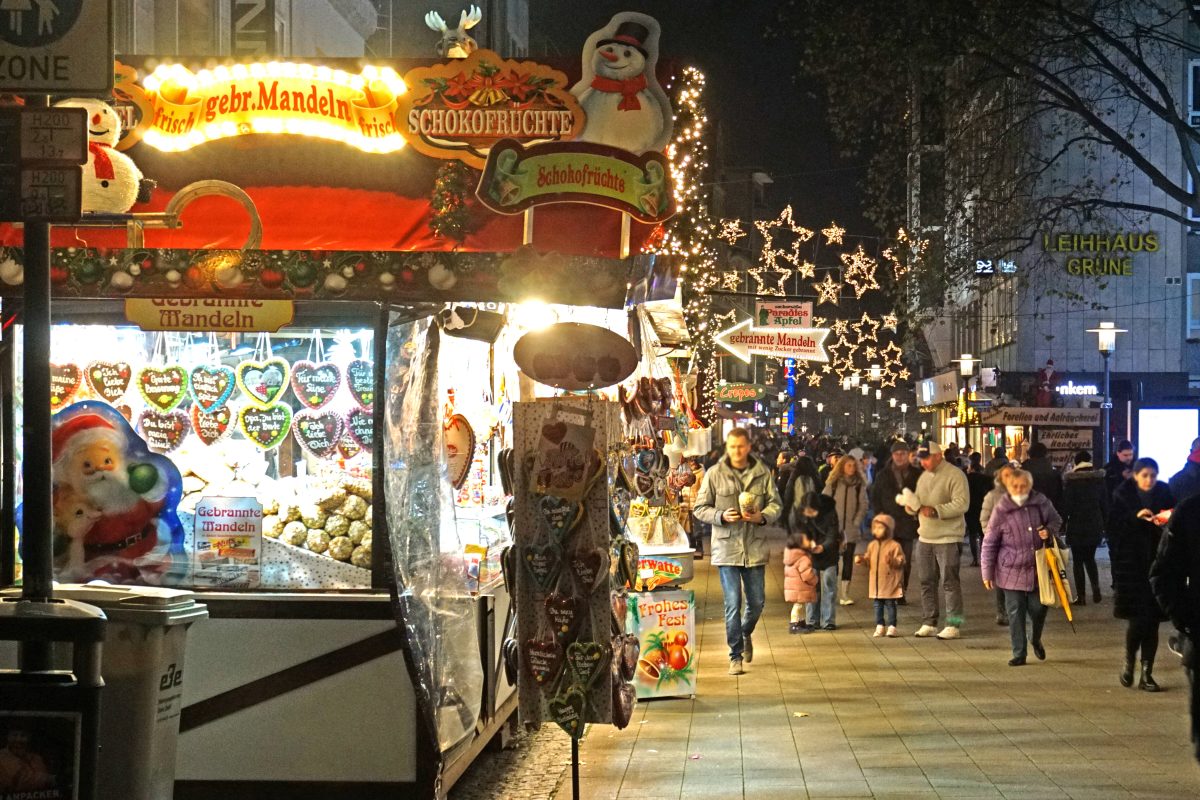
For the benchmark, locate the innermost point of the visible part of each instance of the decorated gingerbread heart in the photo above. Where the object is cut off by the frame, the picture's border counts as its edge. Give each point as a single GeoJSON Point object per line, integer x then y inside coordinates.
{"type": "Point", "coordinates": [459, 441]}
{"type": "Point", "coordinates": [265, 427]}
{"type": "Point", "coordinates": [317, 432]}
{"type": "Point", "coordinates": [624, 698]}
{"type": "Point", "coordinates": [162, 388]}
{"type": "Point", "coordinates": [589, 568]}
{"type": "Point", "coordinates": [564, 612]}
{"type": "Point", "coordinates": [315, 384]}
{"type": "Point", "coordinates": [360, 424]}
{"type": "Point", "coordinates": [542, 562]}
{"type": "Point", "coordinates": [109, 380]}
{"type": "Point", "coordinates": [163, 432]}
{"type": "Point", "coordinates": [347, 446]}
{"type": "Point", "coordinates": [211, 428]}
{"type": "Point", "coordinates": [543, 660]}
{"type": "Point", "coordinates": [263, 382]}
{"type": "Point", "coordinates": [64, 383]}
{"type": "Point", "coordinates": [631, 651]}
{"type": "Point", "coordinates": [567, 708]}
{"type": "Point", "coordinates": [211, 387]}
{"type": "Point", "coordinates": [588, 661]}
{"type": "Point", "coordinates": [558, 515]}
{"type": "Point", "coordinates": [360, 380]}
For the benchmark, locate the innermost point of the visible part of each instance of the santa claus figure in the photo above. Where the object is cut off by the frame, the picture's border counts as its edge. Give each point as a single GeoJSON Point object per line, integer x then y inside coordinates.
{"type": "Point", "coordinates": [121, 501]}
{"type": "Point", "coordinates": [1047, 385]}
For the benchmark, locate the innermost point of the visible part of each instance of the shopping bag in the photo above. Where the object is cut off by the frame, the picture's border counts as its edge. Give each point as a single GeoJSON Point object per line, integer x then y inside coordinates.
{"type": "Point", "coordinates": [1045, 580]}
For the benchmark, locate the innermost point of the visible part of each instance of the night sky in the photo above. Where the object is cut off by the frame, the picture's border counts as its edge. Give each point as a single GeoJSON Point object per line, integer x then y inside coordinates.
{"type": "Point", "coordinates": [765, 119]}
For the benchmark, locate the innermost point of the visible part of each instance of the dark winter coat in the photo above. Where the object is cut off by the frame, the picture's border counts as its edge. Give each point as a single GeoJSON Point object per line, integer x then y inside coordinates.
{"type": "Point", "coordinates": [993, 465]}
{"type": "Point", "coordinates": [1186, 482]}
{"type": "Point", "coordinates": [1084, 506]}
{"type": "Point", "coordinates": [978, 484]}
{"type": "Point", "coordinates": [821, 529]}
{"type": "Point", "coordinates": [1007, 556]}
{"type": "Point", "coordinates": [797, 486]}
{"type": "Point", "coordinates": [1114, 474]}
{"type": "Point", "coordinates": [883, 497]}
{"type": "Point", "coordinates": [1133, 544]}
{"type": "Point", "coordinates": [1046, 479]}
{"type": "Point", "coordinates": [850, 499]}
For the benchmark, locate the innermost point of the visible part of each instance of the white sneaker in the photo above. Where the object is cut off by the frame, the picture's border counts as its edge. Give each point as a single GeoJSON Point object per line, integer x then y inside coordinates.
{"type": "Point", "coordinates": [949, 632]}
{"type": "Point", "coordinates": [878, 630]}
{"type": "Point", "coordinates": [925, 631]}
{"type": "Point", "coordinates": [845, 601]}
{"type": "Point", "coordinates": [735, 667]}
{"type": "Point", "coordinates": [891, 632]}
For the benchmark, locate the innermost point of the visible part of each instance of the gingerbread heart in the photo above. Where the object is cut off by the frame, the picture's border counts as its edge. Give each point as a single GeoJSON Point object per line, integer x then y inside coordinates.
{"type": "Point", "coordinates": [64, 383]}
{"type": "Point", "coordinates": [211, 428]}
{"type": "Point", "coordinates": [554, 431]}
{"type": "Point", "coordinates": [163, 432]}
{"type": "Point", "coordinates": [647, 461]}
{"type": "Point", "coordinates": [631, 651]}
{"type": "Point", "coordinates": [315, 384]}
{"type": "Point", "coordinates": [567, 708]}
{"type": "Point", "coordinates": [360, 380]}
{"type": "Point", "coordinates": [162, 387]}
{"type": "Point", "coordinates": [564, 612]}
{"type": "Point", "coordinates": [318, 433]}
{"type": "Point", "coordinates": [125, 411]}
{"type": "Point", "coordinates": [508, 568]}
{"type": "Point", "coordinates": [109, 380]}
{"type": "Point", "coordinates": [621, 500]}
{"type": "Point", "coordinates": [542, 562]}
{"type": "Point", "coordinates": [211, 387]}
{"type": "Point", "coordinates": [543, 660]}
{"type": "Point", "coordinates": [558, 515]}
{"type": "Point", "coordinates": [347, 446]}
{"type": "Point", "coordinates": [588, 661]}
{"type": "Point", "coordinates": [589, 568]}
{"type": "Point", "coordinates": [266, 427]}
{"type": "Point", "coordinates": [624, 698]}
{"type": "Point", "coordinates": [360, 424]}
{"type": "Point", "coordinates": [263, 382]}
{"type": "Point", "coordinates": [511, 654]}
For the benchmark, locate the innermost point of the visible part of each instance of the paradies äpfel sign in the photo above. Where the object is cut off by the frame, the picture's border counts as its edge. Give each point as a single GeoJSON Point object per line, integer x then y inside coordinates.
{"type": "Point", "coordinates": [209, 314]}
{"type": "Point", "coordinates": [745, 340]}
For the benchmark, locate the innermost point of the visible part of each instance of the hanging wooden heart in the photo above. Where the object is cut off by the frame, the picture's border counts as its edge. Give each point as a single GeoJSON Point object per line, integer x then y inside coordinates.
{"type": "Point", "coordinates": [542, 562]}
{"type": "Point", "coordinates": [631, 651]}
{"type": "Point", "coordinates": [211, 428]}
{"type": "Point", "coordinates": [109, 380]}
{"type": "Point", "coordinates": [211, 387]}
{"type": "Point", "coordinates": [589, 568]}
{"type": "Point", "coordinates": [624, 698]}
{"type": "Point", "coordinates": [360, 380]}
{"type": "Point", "coordinates": [588, 661]}
{"type": "Point", "coordinates": [318, 433]}
{"type": "Point", "coordinates": [125, 411]}
{"type": "Point", "coordinates": [566, 709]}
{"type": "Point", "coordinates": [361, 426]}
{"type": "Point", "coordinates": [163, 432]}
{"type": "Point", "coordinates": [508, 568]}
{"type": "Point", "coordinates": [563, 611]}
{"type": "Point", "coordinates": [263, 381]}
{"type": "Point", "coordinates": [64, 383]}
{"type": "Point", "coordinates": [543, 659]}
{"type": "Point", "coordinates": [315, 384]}
{"type": "Point", "coordinates": [511, 654]}
{"type": "Point", "coordinates": [459, 441]}
{"type": "Point", "coordinates": [559, 515]}
{"type": "Point", "coordinates": [162, 388]}
{"type": "Point", "coordinates": [347, 446]}
{"type": "Point", "coordinates": [265, 427]}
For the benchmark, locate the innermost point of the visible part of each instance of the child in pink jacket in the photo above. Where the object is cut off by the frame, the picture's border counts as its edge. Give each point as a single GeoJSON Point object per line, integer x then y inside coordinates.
{"type": "Point", "coordinates": [799, 578]}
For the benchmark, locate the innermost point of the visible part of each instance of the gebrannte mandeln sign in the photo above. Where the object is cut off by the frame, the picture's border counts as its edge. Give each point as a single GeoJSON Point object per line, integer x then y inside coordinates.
{"type": "Point", "coordinates": [209, 314]}
{"type": "Point", "coordinates": [745, 340]}
{"type": "Point", "coordinates": [1054, 417]}
{"type": "Point", "coordinates": [517, 177]}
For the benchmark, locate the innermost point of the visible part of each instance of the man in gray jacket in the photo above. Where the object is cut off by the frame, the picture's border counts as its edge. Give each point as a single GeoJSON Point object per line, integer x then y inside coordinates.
{"type": "Point", "coordinates": [739, 543]}
{"type": "Point", "coordinates": [943, 496]}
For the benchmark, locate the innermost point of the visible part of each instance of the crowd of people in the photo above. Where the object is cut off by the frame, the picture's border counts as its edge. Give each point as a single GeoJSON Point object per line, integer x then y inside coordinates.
{"type": "Point", "coordinates": [904, 507]}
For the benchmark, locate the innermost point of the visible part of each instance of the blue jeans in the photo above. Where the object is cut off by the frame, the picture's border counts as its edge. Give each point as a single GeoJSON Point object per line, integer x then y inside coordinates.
{"type": "Point", "coordinates": [890, 607]}
{"type": "Point", "coordinates": [737, 626]}
{"type": "Point", "coordinates": [1018, 604]}
{"type": "Point", "coordinates": [826, 601]}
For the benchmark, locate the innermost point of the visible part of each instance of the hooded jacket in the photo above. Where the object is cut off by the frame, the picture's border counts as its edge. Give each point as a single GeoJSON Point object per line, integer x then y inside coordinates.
{"type": "Point", "coordinates": [1084, 505]}
{"type": "Point", "coordinates": [737, 544]}
{"type": "Point", "coordinates": [1007, 556]}
{"type": "Point", "coordinates": [799, 577]}
{"type": "Point", "coordinates": [885, 557]}
{"type": "Point", "coordinates": [822, 529]}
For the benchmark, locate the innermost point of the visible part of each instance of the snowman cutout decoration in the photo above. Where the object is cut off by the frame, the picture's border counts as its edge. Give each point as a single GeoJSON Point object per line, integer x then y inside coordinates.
{"type": "Point", "coordinates": [619, 92]}
{"type": "Point", "coordinates": [112, 183]}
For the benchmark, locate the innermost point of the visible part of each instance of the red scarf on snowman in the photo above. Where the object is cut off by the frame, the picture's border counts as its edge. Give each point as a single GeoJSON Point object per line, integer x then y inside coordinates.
{"type": "Point", "coordinates": [628, 89]}
{"type": "Point", "coordinates": [101, 163]}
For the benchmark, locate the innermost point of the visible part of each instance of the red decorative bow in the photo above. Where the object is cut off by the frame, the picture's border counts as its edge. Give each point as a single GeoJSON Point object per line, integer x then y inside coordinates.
{"type": "Point", "coordinates": [628, 89]}
{"type": "Point", "coordinates": [101, 163]}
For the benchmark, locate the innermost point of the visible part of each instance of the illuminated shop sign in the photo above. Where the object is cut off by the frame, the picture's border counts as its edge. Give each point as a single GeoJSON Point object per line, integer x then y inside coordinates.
{"type": "Point", "coordinates": [191, 108]}
{"type": "Point", "coordinates": [999, 266]}
{"type": "Point", "coordinates": [1071, 389]}
{"type": "Point", "coordinates": [1100, 254]}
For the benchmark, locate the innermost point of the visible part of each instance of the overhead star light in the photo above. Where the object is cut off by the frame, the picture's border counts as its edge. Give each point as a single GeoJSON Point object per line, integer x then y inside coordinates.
{"type": "Point", "coordinates": [771, 254]}
{"type": "Point", "coordinates": [819, 322]}
{"type": "Point", "coordinates": [890, 322]}
{"type": "Point", "coordinates": [814, 379]}
{"type": "Point", "coordinates": [806, 269]}
{"type": "Point", "coordinates": [827, 290]}
{"type": "Point", "coordinates": [860, 272]}
{"type": "Point", "coordinates": [834, 233]}
{"type": "Point", "coordinates": [777, 274]}
{"type": "Point", "coordinates": [867, 329]}
{"type": "Point", "coordinates": [869, 353]}
{"type": "Point", "coordinates": [731, 230]}
{"type": "Point", "coordinates": [839, 326]}
{"type": "Point", "coordinates": [731, 280]}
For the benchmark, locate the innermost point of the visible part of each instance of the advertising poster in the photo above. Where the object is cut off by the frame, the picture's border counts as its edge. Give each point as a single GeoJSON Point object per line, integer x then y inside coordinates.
{"type": "Point", "coordinates": [39, 755]}
{"type": "Point", "coordinates": [665, 624]}
{"type": "Point", "coordinates": [228, 542]}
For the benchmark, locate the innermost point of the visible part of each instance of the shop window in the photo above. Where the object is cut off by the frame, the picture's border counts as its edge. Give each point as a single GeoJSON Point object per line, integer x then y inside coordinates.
{"type": "Point", "coordinates": [1193, 92]}
{"type": "Point", "coordinates": [1193, 306]}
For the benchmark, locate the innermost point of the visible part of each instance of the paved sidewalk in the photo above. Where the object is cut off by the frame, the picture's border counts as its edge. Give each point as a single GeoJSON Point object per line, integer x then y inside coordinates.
{"type": "Point", "coordinates": [845, 715]}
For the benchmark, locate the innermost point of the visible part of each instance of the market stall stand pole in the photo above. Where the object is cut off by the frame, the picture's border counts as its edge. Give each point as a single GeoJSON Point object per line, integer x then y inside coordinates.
{"type": "Point", "coordinates": [574, 768]}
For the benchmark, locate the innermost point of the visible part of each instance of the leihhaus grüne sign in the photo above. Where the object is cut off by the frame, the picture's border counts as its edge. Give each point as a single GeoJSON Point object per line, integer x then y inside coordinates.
{"type": "Point", "coordinates": [1100, 254]}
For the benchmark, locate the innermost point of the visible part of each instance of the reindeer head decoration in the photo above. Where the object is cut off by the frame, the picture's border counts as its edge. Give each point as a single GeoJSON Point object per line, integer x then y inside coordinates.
{"type": "Point", "coordinates": [455, 43]}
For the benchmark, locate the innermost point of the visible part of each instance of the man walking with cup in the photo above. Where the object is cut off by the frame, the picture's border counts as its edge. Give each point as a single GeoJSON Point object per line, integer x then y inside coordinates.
{"type": "Point", "coordinates": [739, 499]}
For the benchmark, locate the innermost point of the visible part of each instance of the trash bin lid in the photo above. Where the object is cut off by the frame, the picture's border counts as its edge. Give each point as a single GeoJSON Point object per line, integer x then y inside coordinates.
{"type": "Point", "coordinates": [105, 595]}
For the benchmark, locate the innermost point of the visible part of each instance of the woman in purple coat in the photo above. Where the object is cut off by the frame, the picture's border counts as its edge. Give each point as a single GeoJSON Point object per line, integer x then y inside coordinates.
{"type": "Point", "coordinates": [1022, 522]}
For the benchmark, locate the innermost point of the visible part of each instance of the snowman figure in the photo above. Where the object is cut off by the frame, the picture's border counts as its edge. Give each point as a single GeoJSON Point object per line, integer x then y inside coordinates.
{"type": "Point", "coordinates": [112, 183]}
{"type": "Point", "coordinates": [619, 92]}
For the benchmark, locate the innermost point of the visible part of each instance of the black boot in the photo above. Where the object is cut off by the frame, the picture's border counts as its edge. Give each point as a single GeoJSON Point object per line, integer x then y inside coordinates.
{"type": "Point", "coordinates": [1127, 673]}
{"type": "Point", "coordinates": [1147, 684]}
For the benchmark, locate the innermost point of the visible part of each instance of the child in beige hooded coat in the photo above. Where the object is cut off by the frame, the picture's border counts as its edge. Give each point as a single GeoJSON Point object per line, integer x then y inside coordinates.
{"type": "Point", "coordinates": [886, 584]}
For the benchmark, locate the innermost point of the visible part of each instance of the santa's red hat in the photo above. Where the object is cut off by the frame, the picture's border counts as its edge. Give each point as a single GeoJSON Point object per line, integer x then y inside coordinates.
{"type": "Point", "coordinates": [79, 430]}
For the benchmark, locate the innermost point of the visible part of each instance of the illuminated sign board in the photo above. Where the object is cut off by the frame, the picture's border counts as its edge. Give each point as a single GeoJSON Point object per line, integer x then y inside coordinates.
{"type": "Point", "coordinates": [1071, 389]}
{"type": "Point", "coordinates": [1100, 254]}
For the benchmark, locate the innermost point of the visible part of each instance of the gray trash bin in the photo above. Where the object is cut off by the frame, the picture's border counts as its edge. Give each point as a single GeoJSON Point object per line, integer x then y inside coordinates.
{"type": "Point", "coordinates": [143, 674]}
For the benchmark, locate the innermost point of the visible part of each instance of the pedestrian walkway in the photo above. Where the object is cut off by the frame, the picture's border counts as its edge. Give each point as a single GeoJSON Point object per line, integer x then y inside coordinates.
{"type": "Point", "coordinates": [842, 714]}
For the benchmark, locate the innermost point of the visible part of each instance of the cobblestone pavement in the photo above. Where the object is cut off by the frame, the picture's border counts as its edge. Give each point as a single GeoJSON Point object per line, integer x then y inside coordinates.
{"type": "Point", "coordinates": [530, 769]}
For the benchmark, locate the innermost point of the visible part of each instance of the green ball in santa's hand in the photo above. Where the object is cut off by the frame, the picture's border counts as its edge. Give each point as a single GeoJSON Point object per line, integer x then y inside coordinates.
{"type": "Point", "coordinates": [142, 478]}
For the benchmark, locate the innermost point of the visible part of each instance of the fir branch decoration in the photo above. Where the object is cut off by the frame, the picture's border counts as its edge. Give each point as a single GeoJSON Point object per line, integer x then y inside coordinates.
{"type": "Point", "coordinates": [453, 186]}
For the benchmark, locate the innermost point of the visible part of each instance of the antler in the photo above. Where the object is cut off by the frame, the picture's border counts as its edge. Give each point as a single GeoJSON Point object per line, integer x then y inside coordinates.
{"type": "Point", "coordinates": [470, 20]}
{"type": "Point", "coordinates": [435, 22]}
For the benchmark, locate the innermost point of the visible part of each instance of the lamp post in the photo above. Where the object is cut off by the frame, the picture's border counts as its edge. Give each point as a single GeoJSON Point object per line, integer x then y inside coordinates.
{"type": "Point", "coordinates": [904, 417]}
{"type": "Point", "coordinates": [804, 406]}
{"type": "Point", "coordinates": [966, 367]}
{"type": "Point", "coordinates": [1107, 335]}
{"type": "Point", "coordinates": [876, 372]}
{"type": "Point", "coordinates": [820, 421]}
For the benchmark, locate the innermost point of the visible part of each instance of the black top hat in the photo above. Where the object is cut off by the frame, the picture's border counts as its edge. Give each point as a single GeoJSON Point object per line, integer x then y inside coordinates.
{"type": "Point", "coordinates": [633, 34]}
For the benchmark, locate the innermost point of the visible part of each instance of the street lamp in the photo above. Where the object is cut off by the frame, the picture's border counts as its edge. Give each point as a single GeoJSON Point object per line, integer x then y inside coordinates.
{"type": "Point", "coordinates": [876, 372]}
{"type": "Point", "coordinates": [855, 379]}
{"type": "Point", "coordinates": [891, 402]}
{"type": "Point", "coordinates": [966, 368]}
{"type": "Point", "coordinates": [904, 416]}
{"type": "Point", "coordinates": [1107, 335]}
{"type": "Point", "coordinates": [846, 384]}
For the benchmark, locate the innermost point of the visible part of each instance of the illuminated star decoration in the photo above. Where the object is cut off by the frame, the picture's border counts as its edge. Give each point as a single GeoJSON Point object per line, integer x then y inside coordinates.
{"type": "Point", "coordinates": [860, 272]}
{"type": "Point", "coordinates": [827, 290]}
{"type": "Point", "coordinates": [827, 368]}
{"type": "Point", "coordinates": [770, 254]}
{"type": "Point", "coordinates": [815, 379]}
{"type": "Point", "coordinates": [839, 327]}
{"type": "Point", "coordinates": [731, 280]}
{"type": "Point", "coordinates": [819, 322]}
{"type": "Point", "coordinates": [867, 329]}
{"type": "Point", "coordinates": [731, 230]}
{"type": "Point", "coordinates": [870, 353]}
{"type": "Point", "coordinates": [890, 322]}
{"type": "Point", "coordinates": [806, 269]}
{"type": "Point", "coordinates": [776, 274]}
{"type": "Point", "coordinates": [834, 233]}
{"type": "Point", "coordinates": [723, 321]}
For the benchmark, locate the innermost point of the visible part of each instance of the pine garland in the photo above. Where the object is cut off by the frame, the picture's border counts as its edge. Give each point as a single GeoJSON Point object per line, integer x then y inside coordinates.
{"type": "Point", "coordinates": [452, 187]}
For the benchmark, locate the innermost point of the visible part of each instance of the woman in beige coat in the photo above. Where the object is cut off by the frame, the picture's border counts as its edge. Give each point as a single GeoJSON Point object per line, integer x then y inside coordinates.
{"type": "Point", "coordinates": [847, 485]}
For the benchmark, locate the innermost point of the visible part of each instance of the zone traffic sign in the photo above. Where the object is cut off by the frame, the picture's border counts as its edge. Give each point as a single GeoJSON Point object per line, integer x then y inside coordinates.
{"type": "Point", "coordinates": [56, 47]}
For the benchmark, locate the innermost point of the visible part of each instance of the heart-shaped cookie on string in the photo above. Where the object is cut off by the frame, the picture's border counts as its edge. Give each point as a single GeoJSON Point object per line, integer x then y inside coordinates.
{"type": "Point", "coordinates": [587, 661]}
{"type": "Point", "coordinates": [360, 425]}
{"type": "Point", "coordinates": [263, 382]}
{"type": "Point", "coordinates": [624, 698]}
{"type": "Point", "coordinates": [360, 380]}
{"type": "Point", "coordinates": [162, 388]}
{"type": "Point", "coordinates": [558, 515]}
{"type": "Point", "coordinates": [564, 612]}
{"type": "Point", "coordinates": [543, 563]}
{"type": "Point", "coordinates": [317, 432]}
{"type": "Point", "coordinates": [315, 384]}
{"type": "Point", "coordinates": [109, 379]}
{"type": "Point", "coordinates": [543, 660]}
{"type": "Point", "coordinates": [64, 383]}
{"type": "Point", "coordinates": [629, 648]}
{"type": "Point", "coordinates": [567, 710]}
{"type": "Point", "coordinates": [265, 427]}
{"type": "Point", "coordinates": [588, 568]}
{"type": "Point", "coordinates": [211, 386]}
{"type": "Point", "coordinates": [347, 446]}
{"type": "Point", "coordinates": [211, 428]}
{"type": "Point", "coordinates": [163, 432]}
